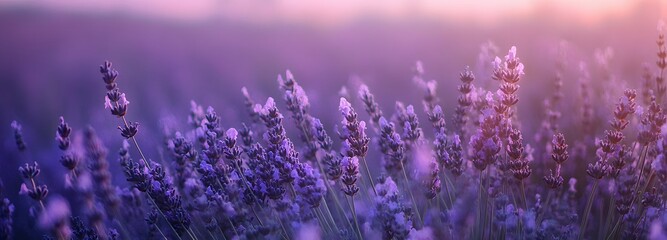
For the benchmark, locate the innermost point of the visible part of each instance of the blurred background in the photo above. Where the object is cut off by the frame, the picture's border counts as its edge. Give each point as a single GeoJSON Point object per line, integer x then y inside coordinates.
{"type": "Point", "coordinates": [169, 52]}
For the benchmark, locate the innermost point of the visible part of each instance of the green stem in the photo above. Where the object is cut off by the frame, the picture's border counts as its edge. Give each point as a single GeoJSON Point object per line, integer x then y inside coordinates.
{"type": "Point", "coordinates": [319, 221]}
{"type": "Point", "coordinates": [589, 205]}
{"type": "Point", "coordinates": [450, 190]}
{"type": "Point", "coordinates": [610, 215]}
{"type": "Point", "coordinates": [642, 160]}
{"type": "Point", "coordinates": [478, 219]}
{"type": "Point", "coordinates": [334, 229]}
{"type": "Point", "coordinates": [545, 209]}
{"type": "Point", "coordinates": [333, 194]}
{"type": "Point", "coordinates": [523, 195]}
{"type": "Point", "coordinates": [354, 216]}
{"type": "Point", "coordinates": [613, 230]}
{"type": "Point", "coordinates": [161, 233]}
{"type": "Point", "coordinates": [286, 236]}
{"type": "Point", "coordinates": [414, 203]}
{"type": "Point", "coordinates": [370, 178]}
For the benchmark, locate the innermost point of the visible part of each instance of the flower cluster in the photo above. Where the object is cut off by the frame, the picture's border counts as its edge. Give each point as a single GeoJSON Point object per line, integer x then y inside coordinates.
{"type": "Point", "coordinates": [6, 215]}
{"type": "Point", "coordinates": [518, 164]}
{"type": "Point", "coordinates": [486, 144]}
{"type": "Point", "coordinates": [429, 87]}
{"type": "Point", "coordinates": [464, 102]}
{"type": "Point", "coordinates": [353, 132]}
{"type": "Point", "coordinates": [391, 216]}
{"type": "Point", "coordinates": [220, 179]}
{"type": "Point", "coordinates": [509, 73]}
{"type": "Point", "coordinates": [559, 155]}
{"type": "Point", "coordinates": [392, 147]}
{"type": "Point", "coordinates": [115, 100]}
{"type": "Point", "coordinates": [18, 136]}
{"type": "Point", "coordinates": [370, 104]}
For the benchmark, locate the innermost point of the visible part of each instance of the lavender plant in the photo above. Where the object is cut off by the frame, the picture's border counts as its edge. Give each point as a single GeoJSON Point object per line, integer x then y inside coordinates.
{"type": "Point", "coordinates": [471, 174]}
{"type": "Point", "coordinates": [6, 215]}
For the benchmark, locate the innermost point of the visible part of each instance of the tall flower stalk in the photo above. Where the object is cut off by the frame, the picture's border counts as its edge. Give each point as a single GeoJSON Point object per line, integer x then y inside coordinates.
{"type": "Point", "coordinates": [161, 193]}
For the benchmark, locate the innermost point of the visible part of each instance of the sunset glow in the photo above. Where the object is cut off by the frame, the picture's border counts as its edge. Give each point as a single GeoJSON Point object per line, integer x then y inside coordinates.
{"type": "Point", "coordinates": [343, 11]}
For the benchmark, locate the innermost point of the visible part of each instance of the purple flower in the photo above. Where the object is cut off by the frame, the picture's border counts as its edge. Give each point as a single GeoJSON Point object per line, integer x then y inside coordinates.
{"type": "Point", "coordinates": [353, 132]}
{"type": "Point", "coordinates": [55, 217]}
{"type": "Point", "coordinates": [62, 134]}
{"type": "Point", "coordinates": [390, 215]}
{"type": "Point", "coordinates": [109, 75]}
{"type": "Point", "coordinates": [370, 104]}
{"type": "Point", "coordinates": [130, 130]}
{"type": "Point", "coordinates": [392, 147]}
{"type": "Point", "coordinates": [116, 102]}
{"type": "Point", "coordinates": [18, 136]}
{"type": "Point", "coordinates": [6, 216]}
{"type": "Point", "coordinates": [231, 134]}
{"type": "Point", "coordinates": [309, 186]}
{"type": "Point", "coordinates": [350, 175]}
{"type": "Point", "coordinates": [345, 108]}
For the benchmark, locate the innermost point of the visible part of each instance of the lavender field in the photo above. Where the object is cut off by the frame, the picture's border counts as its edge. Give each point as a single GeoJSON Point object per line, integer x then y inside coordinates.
{"type": "Point", "coordinates": [396, 123]}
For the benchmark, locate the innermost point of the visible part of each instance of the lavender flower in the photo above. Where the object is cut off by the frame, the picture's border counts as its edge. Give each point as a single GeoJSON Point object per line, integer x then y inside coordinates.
{"type": "Point", "coordinates": [308, 185]}
{"type": "Point", "coordinates": [185, 155]}
{"type": "Point", "coordinates": [486, 143]}
{"type": "Point", "coordinates": [391, 216]}
{"type": "Point", "coordinates": [625, 191]}
{"type": "Point", "coordinates": [36, 192]}
{"type": "Point", "coordinates": [350, 175]}
{"type": "Point", "coordinates": [432, 183]}
{"type": "Point", "coordinates": [355, 146]}
{"type": "Point", "coordinates": [18, 136]}
{"type": "Point", "coordinates": [353, 131]}
{"type": "Point", "coordinates": [429, 87]}
{"type": "Point", "coordinates": [246, 136]}
{"type": "Point", "coordinates": [454, 153]}
{"type": "Point", "coordinates": [597, 170]}
{"type": "Point", "coordinates": [331, 160]}
{"type": "Point", "coordinates": [509, 72]}
{"type": "Point", "coordinates": [411, 131]}
{"type": "Point", "coordinates": [197, 115]}
{"type": "Point", "coordinates": [662, 64]}
{"type": "Point", "coordinates": [109, 75]}
{"type": "Point", "coordinates": [81, 231]}
{"type": "Point", "coordinates": [392, 147]}
{"type": "Point", "coordinates": [298, 103]}
{"type": "Point", "coordinates": [281, 152]}
{"type": "Point", "coordinates": [252, 182]}
{"type": "Point", "coordinates": [464, 101]}
{"type": "Point", "coordinates": [250, 104]}
{"type": "Point", "coordinates": [517, 163]}
{"type": "Point", "coordinates": [437, 118]}
{"type": "Point", "coordinates": [651, 124]}
{"type": "Point", "coordinates": [55, 218]}
{"type": "Point", "coordinates": [371, 106]}
{"type": "Point", "coordinates": [212, 122]}
{"type": "Point", "coordinates": [559, 155]}
{"type": "Point", "coordinates": [116, 102]}
{"type": "Point", "coordinates": [6, 216]}
{"type": "Point", "coordinates": [62, 135]}
{"type": "Point", "coordinates": [99, 170]}
{"type": "Point", "coordinates": [69, 159]}
{"type": "Point", "coordinates": [168, 200]}
{"type": "Point", "coordinates": [130, 130]}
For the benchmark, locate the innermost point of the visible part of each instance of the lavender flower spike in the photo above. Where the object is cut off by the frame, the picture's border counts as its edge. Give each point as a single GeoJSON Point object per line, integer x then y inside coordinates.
{"type": "Point", "coordinates": [62, 134]}
{"type": "Point", "coordinates": [6, 216]}
{"type": "Point", "coordinates": [350, 175]}
{"type": "Point", "coordinates": [18, 136]}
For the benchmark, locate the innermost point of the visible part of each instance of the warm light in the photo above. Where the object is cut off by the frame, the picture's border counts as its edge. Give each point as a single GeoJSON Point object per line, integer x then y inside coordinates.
{"type": "Point", "coordinates": [343, 11]}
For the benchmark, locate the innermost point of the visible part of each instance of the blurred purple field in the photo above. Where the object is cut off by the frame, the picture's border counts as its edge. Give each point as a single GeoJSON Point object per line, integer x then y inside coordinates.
{"type": "Point", "coordinates": [50, 67]}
